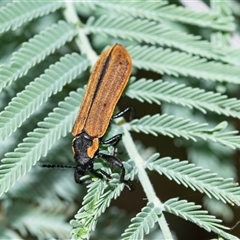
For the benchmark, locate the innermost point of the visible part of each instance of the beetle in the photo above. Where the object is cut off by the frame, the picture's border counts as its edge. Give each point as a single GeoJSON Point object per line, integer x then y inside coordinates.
{"type": "Point", "coordinates": [107, 81]}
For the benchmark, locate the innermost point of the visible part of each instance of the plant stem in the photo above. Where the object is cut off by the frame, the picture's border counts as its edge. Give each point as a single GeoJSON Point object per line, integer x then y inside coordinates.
{"type": "Point", "coordinates": [81, 40]}
{"type": "Point", "coordinates": [144, 179]}
{"type": "Point", "coordinates": [85, 47]}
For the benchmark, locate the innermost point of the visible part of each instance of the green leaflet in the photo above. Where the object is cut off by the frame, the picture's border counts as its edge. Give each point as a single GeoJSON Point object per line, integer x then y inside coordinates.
{"type": "Point", "coordinates": [37, 143]}
{"type": "Point", "coordinates": [36, 50]}
{"type": "Point", "coordinates": [158, 91]}
{"type": "Point", "coordinates": [191, 212]}
{"type": "Point", "coordinates": [170, 126]}
{"type": "Point", "coordinates": [197, 178]}
{"type": "Point", "coordinates": [181, 64]}
{"type": "Point", "coordinates": [162, 10]}
{"type": "Point", "coordinates": [14, 14]}
{"type": "Point", "coordinates": [38, 92]}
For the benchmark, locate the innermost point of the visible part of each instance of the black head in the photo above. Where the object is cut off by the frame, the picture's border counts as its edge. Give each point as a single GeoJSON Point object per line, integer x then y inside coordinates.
{"type": "Point", "coordinates": [80, 145]}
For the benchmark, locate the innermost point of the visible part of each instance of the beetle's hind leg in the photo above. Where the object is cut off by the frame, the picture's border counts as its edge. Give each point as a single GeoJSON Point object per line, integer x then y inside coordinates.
{"type": "Point", "coordinates": [79, 172]}
{"type": "Point", "coordinates": [124, 112]}
{"type": "Point", "coordinates": [115, 162]}
{"type": "Point", "coordinates": [113, 141]}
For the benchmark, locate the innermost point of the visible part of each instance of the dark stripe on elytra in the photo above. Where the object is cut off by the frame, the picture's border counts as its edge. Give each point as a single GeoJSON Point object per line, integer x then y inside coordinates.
{"type": "Point", "coordinates": [101, 77]}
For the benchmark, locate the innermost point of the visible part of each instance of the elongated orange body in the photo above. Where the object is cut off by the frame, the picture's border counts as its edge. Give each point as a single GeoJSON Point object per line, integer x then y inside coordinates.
{"type": "Point", "coordinates": [106, 84]}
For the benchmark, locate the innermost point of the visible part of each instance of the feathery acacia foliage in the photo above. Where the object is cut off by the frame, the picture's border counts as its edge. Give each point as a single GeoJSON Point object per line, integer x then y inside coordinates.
{"type": "Point", "coordinates": [33, 220]}
{"type": "Point", "coordinates": [16, 13]}
{"type": "Point", "coordinates": [197, 178]}
{"type": "Point", "coordinates": [142, 223]}
{"type": "Point", "coordinates": [38, 91]}
{"type": "Point", "coordinates": [161, 10]}
{"type": "Point", "coordinates": [36, 50]}
{"type": "Point", "coordinates": [181, 64]}
{"type": "Point", "coordinates": [156, 33]}
{"type": "Point", "coordinates": [95, 202]}
{"type": "Point", "coordinates": [190, 211]}
{"type": "Point", "coordinates": [157, 91]}
{"type": "Point", "coordinates": [38, 142]}
{"type": "Point", "coordinates": [47, 45]}
{"type": "Point", "coordinates": [171, 126]}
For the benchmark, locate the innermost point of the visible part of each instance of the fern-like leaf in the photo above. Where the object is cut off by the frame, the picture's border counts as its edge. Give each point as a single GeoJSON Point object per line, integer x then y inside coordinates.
{"type": "Point", "coordinates": [191, 212]}
{"type": "Point", "coordinates": [53, 190]}
{"type": "Point", "coordinates": [40, 223]}
{"type": "Point", "coordinates": [98, 198]}
{"type": "Point", "coordinates": [142, 223]}
{"type": "Point", "coordinates": [154, 33]}
{"type": "Point", "coordinates": [57, 124]}
{"type": "Point", "coordinates": [6, 233]}
{"type": "Point", "coordinates": [179, 63]}
{"type": "Point", "coordinates": [195, 177]}
{"type": "Point", "coordinates": [95, 203]}
{"type": "Point", "coordinates": [84, 224]}
{"type": "Point", "coordinates": [38, 91]}
{"type": "Point", "coordinates": [16, 13]}
{"type": "Point", "coordinates": [171, 126]}
{"type": "Point", "coordinates": [156, 91]}
{"type": "Point", "coordinates": [7, 75]}
{"type": "Point", "coordinates": [232, 55]}
{"type": "Point", "coordinates": [34, 51]}
{"type": "Point", "coordinates": [162, 10]}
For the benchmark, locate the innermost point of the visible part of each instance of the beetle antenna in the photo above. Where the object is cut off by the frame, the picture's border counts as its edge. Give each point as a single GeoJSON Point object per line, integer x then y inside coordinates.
{"type": "Point", "coordinates": [55, 166]}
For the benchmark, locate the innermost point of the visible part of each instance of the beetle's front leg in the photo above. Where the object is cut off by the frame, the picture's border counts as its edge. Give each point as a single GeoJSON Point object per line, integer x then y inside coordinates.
{"type": "Point", "coordinates": [80, 171]}
{"type": "Point", "coordinates": [113, 140]}
{"type": "Point", "coordinates": [115, 162]}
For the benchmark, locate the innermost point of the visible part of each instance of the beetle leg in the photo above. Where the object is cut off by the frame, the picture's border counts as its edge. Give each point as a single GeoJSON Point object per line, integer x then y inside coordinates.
{"type": "Point", "coordinates": [115, 162]}
{"type": "Point", "coordinates": [123, 112]}
{"type": "Point", "coordinates": [104, 173]}
{"type": "Point", "coordinates": [78, 173]}
{"type": "Point", "coordinates": [113, 140]}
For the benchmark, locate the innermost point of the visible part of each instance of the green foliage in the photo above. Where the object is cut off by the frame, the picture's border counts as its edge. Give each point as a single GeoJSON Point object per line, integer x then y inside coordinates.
{"type": "Point", "coordinates": [39, 141]}
{"type": "Point", "coordinates": [14, 14]}
{"type": "Point", "coordinates": [162, 10]}
{"type": "Point", "coordinates": [95, 203]}
{"type": "Point", "coordinates": [170, 126]}
{"type": "Point", "coordinates": [142, 223]}
{"type": "Point", "coordinates": [190, 211]}
{"type": "Point", "coordinates": [197, 178]}
{"type": "Point", "coordinates": [47, 46]}
{"type": "Point", "coordinates": [158, 91]}
{"type": "Point", "coordinates": [177, 64]}
{"type": "Point", "coordinates": [34, 51]}
{"type": "Point", "coordinates": [157, 33]}
{"type": "Point", "coordinates": [36, 220]}
{"type": "Point", "coordinates": [39, 90]}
